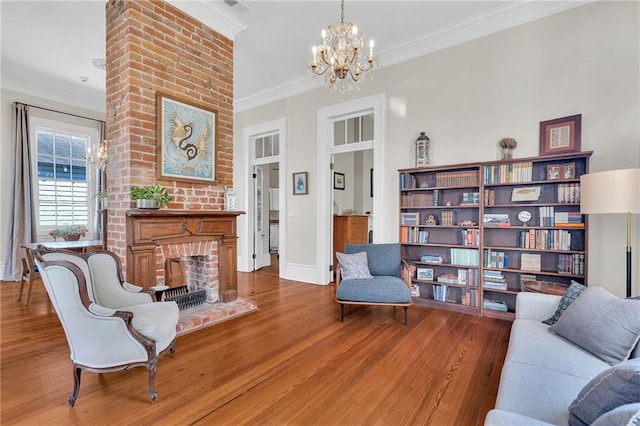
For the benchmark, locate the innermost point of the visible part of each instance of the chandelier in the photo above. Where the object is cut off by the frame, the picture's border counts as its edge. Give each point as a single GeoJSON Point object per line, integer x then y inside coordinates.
{"type": "Point", "coordinates": [98, 159]}
{"type": "Point", "coordinates": [339, 61]}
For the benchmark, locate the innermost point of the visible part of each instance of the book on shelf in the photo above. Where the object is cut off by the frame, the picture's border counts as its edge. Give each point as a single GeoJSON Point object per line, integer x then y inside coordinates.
{"type": "Point", "coordinates": [568, 219]}
{"type": "Point", "coordinates": [470, 199]}
{"type": "Point", "coordinates": [545, 239]}
{"type": "Point", "coordinates": [508, 173]}
{"type": "Point", "coordinates": [407, 181]}
{"type": "Point", "coordinates": [468, 297]}
{"type": "Point", "coordinates": [413, 235]}
{"type": "Point", "coordinates": [470, 237]}
{"type": "Point", "coordinates": [530, 261]}
{"type": "Point", "coordinates": [431, 258]}
{"type": "Point", "coordinates": [495, 305]}
{"type": "Point", "coordinates": [571, 264]}
{"type": "Point", "coordinates": [496, 219]}
{"type": "Point", "coordinates": [467, 257]}
{"type": "Point", "coordinates": [495, 259]}
{"type": "Point", "coordinates": [568, 193]}
{"type": "Point", "coordinates": [489, 197]}
{"type": "Point", "coordinates": [447, 217]}
{"type": "Point", "coordinates": [440, 293]}
{"type": "Point", "coordinates": [447, 279]}
{"type": "Point", "coordinates": [410, 219]}
{"type": "Point", "coordinates": [457, 178]}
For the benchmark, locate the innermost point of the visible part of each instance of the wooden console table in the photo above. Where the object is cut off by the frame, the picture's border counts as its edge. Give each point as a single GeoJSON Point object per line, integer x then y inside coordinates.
{"type": "Point", "coordinates": [147, 229]}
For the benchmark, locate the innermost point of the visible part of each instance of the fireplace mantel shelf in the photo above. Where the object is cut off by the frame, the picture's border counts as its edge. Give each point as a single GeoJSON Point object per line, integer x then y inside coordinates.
{"type": "Point", "coordinates": [147, 229]}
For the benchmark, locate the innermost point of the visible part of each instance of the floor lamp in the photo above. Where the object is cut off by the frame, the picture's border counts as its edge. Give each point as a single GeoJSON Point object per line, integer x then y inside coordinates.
{"type": "Point", "coordinates": [612, 192]}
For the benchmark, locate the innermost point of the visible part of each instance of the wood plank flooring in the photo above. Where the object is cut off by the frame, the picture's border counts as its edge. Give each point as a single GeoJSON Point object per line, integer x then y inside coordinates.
{"type": "Point", "coordinates": [290, 363]}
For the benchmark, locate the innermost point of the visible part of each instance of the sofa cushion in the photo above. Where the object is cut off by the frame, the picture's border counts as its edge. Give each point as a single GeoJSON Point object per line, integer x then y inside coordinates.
{"type": "Point", "coordinates": [537, 392]}
{"type": "Point", "coordinates": [156, 320]}
{"type": "Point", "coordinates": [375, 289]}
{"type": "Point", "coordinates": [572, 293]}
{"type": "Point", "coordinates": [601, 323]}
{"type": "Point", "coordinates": [616, 386]}
{"type": "Point", "coordinates": [354, 266]}
{"type": "Point", "coordinates": [628, 414]}
{"type": "Point", "coordinates": [531, 343]}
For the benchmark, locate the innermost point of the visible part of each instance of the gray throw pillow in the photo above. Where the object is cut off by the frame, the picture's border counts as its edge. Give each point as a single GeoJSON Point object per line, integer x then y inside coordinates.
{"type": "Point", "coordinates": [601, 323]}
{"type": "Point", "coordinates": [612, 388]}
{"type": "Point", "coordinates": [627, 415]}
{"type": "Point", "coordinates": [354, 266]}
{"type": "Point", "coordinates": [572, 293]}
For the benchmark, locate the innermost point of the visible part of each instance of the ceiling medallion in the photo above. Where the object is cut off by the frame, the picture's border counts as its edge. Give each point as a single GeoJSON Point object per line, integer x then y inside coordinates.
{"type": "Point", "coordinates": [339, 61]}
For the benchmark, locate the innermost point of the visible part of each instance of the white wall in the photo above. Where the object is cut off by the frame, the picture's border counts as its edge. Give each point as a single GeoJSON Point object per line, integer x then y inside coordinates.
{"type": "Point", "coordinates": [8, 97]}
{"type": "Point", "coordinates": [467, 97]}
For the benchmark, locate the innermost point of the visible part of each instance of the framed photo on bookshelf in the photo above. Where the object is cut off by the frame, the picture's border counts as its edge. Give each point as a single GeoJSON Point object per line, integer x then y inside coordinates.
{"type": "Point", "coordinates": [560, 135]}
{"type": "Point", "coordinates": [569, 171]}
{"type": "Point", "coordinates": [338, 180]}
{"type": "Point", "coordinates": [425, 274]}
{"type": "Point", "coordinates": [554, 171]}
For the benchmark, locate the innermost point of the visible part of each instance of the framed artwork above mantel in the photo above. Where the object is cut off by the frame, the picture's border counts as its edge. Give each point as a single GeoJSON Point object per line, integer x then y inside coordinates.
{"type": "Point", "coordinates": [186, 133]}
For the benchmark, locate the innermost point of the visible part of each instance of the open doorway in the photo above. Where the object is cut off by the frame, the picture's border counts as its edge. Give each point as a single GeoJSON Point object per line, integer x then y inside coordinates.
{"type": "Point", "coordinates": [267, 218]}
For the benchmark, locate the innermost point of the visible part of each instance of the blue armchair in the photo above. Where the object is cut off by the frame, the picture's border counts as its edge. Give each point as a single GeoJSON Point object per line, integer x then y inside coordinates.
{"type": "Point", "coordinates": [387, 281]}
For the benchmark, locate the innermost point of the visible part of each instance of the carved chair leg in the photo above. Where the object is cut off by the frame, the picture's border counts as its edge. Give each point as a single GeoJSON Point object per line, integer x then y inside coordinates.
{"type": "Point", "coordinates": [152, 379]}
{"type": "Point", "coordinates": [21, 288]}
{"type": "Point", "coordinates": [77, 371]}
{"type": "Point", "coordinates": [341, 312]}
{"type": "Point", "coordinates": [406, 318]}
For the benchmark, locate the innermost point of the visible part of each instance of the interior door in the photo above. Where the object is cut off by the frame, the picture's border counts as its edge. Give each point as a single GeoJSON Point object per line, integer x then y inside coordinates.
{"type": "Point", "coordinates": [261, 256]}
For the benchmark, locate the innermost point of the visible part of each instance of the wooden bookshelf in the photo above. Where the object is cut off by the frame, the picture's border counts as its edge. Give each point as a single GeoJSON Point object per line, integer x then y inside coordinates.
{"type": "Point", "coordinates": [482, 205]}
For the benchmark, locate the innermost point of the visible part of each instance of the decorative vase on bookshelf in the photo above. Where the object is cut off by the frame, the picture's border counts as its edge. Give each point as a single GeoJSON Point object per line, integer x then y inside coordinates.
{"type": "Point", "coordinates": [507, 146]}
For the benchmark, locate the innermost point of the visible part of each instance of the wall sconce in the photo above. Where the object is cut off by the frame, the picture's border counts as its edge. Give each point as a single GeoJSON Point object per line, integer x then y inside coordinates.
{"type": "Point", "coordinates": [422, 151]}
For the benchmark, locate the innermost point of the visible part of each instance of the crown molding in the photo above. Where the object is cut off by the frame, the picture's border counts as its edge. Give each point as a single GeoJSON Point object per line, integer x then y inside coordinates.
{"type": "Point", "coordinates": [215, 15]}
{"type": "Point", "coordinates": [510, 15]}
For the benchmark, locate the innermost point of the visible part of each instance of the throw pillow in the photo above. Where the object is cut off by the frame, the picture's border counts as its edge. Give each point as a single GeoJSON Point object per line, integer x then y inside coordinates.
{"type": "Point", "coordinates": [354, 266]}
{"type": "Point", "coordinates": [572, 293]}
{"type": "Point", "coordinates": [628, 415]}
{"type": "Point", "coordinates": [601, 323]}
{"type": "Point", "coordinates": [612, 388]}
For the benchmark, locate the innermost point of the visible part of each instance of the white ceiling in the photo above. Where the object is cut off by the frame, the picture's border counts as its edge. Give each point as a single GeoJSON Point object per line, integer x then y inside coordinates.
{"type": "Point", "coordinates": [48, 45]}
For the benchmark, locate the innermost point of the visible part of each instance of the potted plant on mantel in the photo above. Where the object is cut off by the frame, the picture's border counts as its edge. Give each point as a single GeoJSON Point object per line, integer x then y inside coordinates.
{"type": "Point", "coordinates": [69, 232]}
{"type": "Point", "coordinates": [150, 197]}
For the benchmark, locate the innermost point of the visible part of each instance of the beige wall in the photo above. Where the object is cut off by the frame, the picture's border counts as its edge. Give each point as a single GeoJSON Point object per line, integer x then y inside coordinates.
{"type": "Point", "coordinates": [467, 97]}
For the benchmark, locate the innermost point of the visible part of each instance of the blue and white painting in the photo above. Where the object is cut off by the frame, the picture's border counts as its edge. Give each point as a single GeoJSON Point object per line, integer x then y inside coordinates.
{"type": "Point", "coordinates": [188, 141]}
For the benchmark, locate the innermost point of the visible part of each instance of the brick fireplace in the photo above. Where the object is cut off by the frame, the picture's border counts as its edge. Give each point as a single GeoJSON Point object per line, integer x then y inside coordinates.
{"type": "Point", "coordinates": [204, 241]}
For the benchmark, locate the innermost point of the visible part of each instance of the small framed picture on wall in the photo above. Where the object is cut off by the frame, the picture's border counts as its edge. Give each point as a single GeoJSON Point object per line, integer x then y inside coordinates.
{"type": "Point", "coordinates": [338, 180]}
{"type": "Point", "coordinates": [300, 183]}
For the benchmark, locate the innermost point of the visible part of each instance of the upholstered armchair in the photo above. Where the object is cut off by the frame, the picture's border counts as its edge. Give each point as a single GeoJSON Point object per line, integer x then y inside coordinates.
{"type": "Point", "coordinates": [373, 274]}
{"type": "Point", "coordinates": [105, 338]}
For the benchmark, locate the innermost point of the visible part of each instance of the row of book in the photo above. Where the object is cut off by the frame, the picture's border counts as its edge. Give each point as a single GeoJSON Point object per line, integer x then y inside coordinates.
{"type": "Point", "coordinates": [427, 199]}
{"type": "Point", "coordinates": [462, 277]}
{"type": "Point", "coordinates": [470, 237]}
{"type": "Point", "coordinates": [495, 259]}
{"type": "Point", "coordinates": [440, 293]}
{"type": "Point", "coordinates": [571, 264]}
{"type": "Point", "coordinates": [493, 280]}
{"type": "Point", "coordinates": [495, 305]}
{"type": "Point", "coordinates": [409, 219]}
{"type": "Point", "coordinates": [443, 293]}
{"type": "Point", "coordinates": [508, 173]}
{"type": "Point", "coordinates": [447, 217]}
{"type": "Point", "coordinates": [457, 178]}
{"type": "Point", "coordinates": [470, 199]}
{"type": "Point", "coordinates": [413, 235]}
{"type": "Point", "coordinates": [408, 181]}
{"type": "Point", "coordinates": [489, 197]}
{"type": "Point", "coordinates": [466, 257]}
{"type": "Point", "coordinates": [550, 218]}
{"type": "Point", "coordinates": [546, 239]}
{"type": "Point", "coordinates": [569, 193]}
{"type": "Point", "coordinates": [468, 297]}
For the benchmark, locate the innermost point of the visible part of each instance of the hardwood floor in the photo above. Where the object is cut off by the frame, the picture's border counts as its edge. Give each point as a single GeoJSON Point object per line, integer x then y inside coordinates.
{"type": "Point", "coordinates": [291, 362]}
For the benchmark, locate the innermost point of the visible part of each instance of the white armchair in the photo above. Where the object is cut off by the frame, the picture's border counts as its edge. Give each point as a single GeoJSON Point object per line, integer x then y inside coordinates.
{"type": "Point", "coordinates": [105, 338]}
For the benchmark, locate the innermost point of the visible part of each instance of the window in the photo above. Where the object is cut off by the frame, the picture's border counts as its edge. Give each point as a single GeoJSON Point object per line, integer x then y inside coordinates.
{"type": "Point", "coordinates": [267, 146]}
{"type": "Point", "coordinates": [353, 130]}
{"type": "Point", "coordinates": [63, 176]}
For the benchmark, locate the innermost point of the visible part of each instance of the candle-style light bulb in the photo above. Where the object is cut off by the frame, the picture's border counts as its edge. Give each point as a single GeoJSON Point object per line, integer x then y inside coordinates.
{"type": "Point", "coordinates": [371, 44]}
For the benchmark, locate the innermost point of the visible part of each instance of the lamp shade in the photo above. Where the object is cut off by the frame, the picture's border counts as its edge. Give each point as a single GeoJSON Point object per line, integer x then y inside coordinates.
{"type": "Point", "coordinates": [610, 192]}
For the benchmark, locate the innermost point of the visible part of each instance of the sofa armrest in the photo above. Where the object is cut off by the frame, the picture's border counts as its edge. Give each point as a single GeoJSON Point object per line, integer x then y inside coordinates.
{"type": "Point", "coordinates": [536, 306]}
{"type": "Point", "coordinates": [507, 418]}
